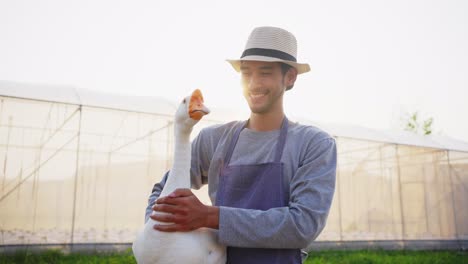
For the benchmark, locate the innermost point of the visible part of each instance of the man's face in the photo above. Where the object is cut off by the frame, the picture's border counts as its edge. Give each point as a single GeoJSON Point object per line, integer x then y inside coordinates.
{"type": "Point", "coordinates": [263, 85]}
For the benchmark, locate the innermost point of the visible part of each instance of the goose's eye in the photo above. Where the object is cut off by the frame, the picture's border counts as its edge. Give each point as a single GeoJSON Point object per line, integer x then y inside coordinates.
{"type": "Point", "coordinates": [184, 101]}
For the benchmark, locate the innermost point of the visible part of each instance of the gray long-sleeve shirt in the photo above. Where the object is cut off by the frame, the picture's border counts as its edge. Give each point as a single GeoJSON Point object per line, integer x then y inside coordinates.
{"type": "Point", "coordinates": [309, 158]}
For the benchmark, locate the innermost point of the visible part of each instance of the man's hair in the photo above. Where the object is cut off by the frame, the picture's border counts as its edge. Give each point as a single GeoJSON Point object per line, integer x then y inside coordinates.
{"type": "Point", "coordinates": [284, 69]}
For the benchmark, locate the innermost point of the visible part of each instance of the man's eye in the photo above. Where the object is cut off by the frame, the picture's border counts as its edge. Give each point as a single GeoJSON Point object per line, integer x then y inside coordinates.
{"type": "Point", "coordinates": [266, 73]}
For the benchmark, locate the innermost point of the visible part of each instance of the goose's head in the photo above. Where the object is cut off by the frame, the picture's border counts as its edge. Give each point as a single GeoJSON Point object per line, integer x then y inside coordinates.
{"type": "Point", "coordinates": [190, 111]}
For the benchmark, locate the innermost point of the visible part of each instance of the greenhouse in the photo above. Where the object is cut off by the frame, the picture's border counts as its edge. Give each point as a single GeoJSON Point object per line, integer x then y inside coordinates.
{"type": "Point", "coordinates": [77, 166]}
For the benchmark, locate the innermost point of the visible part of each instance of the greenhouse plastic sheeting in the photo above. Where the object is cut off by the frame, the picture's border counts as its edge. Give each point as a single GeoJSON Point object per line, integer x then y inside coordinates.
{"type": "Point", "coordinates": [71, 173]}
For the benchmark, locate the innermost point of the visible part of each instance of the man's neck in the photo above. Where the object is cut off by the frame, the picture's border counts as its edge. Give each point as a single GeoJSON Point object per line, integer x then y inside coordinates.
{"type": "Point", "coordinates": [265, 122]}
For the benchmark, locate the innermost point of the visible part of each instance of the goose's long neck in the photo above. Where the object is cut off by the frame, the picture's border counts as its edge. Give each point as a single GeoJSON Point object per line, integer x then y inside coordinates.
{"type": "Point", "coordinates": [179, 175]}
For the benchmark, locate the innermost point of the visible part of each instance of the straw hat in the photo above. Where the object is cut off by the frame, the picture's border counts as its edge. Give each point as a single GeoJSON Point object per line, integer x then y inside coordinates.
{"type": "Point", "coordinates": [271, 44]}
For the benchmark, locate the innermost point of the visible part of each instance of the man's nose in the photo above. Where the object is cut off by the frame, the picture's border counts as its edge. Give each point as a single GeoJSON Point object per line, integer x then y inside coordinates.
{"type": "Point", "coordinates": [254, 81]}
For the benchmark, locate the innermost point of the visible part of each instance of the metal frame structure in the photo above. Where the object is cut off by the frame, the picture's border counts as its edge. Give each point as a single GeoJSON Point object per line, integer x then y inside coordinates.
{"type": "Point", "coordinates": [76, 173]}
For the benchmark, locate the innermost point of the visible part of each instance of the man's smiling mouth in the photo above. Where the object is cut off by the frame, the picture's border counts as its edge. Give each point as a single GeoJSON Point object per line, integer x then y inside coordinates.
{"type": "Point", "coordinates": [257, 95]}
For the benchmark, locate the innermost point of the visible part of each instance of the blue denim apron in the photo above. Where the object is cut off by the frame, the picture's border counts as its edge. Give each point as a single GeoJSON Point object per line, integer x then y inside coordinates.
{"type": "Point", "coordinates": [256, 186]}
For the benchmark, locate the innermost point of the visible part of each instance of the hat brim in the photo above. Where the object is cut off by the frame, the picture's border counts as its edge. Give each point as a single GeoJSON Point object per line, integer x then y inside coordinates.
{"type": "Point", "coordinates": [300, 67]}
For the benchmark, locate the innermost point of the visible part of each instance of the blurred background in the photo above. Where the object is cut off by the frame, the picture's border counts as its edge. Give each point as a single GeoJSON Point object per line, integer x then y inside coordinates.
{"type": "Point", "coordinates": [88, 90]}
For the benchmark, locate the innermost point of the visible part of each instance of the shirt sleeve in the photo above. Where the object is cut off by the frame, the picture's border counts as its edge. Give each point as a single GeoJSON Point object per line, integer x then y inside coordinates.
{"type": "Point", "coordinates": [294, 226]}
{"type": "Point", "coordinates": [157, 189]}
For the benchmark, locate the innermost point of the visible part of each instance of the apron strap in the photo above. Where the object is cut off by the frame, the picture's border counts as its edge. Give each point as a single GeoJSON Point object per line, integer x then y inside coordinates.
{"type": "Point", "coordinates": [234, 139]}
{"type": "Point", "coordinates": [281, 140]}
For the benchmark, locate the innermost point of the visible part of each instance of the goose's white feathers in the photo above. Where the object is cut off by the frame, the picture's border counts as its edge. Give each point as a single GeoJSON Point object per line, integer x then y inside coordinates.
{"type": "Point", "coordinates": [195, 247]}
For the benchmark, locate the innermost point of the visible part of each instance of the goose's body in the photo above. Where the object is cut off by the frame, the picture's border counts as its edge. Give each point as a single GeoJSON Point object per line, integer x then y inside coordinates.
{"type": "Point", "coordinates": [195, 247]}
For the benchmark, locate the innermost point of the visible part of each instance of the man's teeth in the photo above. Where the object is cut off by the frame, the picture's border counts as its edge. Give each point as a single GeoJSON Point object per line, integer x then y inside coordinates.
{"type": "Point", "coordinates": [256, 95]}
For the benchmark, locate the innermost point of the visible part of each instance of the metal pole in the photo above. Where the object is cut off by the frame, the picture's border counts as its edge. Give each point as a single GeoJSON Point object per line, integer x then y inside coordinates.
{"type": "Point", "coordinates": [75, 188]}
{"type": "Point", "coordinates": [400, 189]}
{"type": "Point", "coordinates": [338, 181]}
{"type": "Point", "coordinates": [441, 190]}
{"type": "Point", "coordinates": [449, 166]}
{"type": "Point", "coordinates": [426, 198]}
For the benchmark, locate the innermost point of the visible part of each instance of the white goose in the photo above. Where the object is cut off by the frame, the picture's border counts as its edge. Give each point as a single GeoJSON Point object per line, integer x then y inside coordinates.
{"type": "Point", "coordinates": [195, 247]}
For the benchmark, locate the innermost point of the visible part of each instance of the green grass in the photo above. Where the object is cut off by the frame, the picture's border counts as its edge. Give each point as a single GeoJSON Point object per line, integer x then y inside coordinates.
{"type": "Point", "coordinates": [321, 257]}
{"type": "Point", "coordinates": [387, 257]}
{"type": "Point", "coordinates": [56, 256]}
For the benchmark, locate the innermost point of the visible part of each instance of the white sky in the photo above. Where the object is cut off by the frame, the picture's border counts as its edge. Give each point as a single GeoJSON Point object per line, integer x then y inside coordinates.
{"type": "Point", "coordinates": [371, 60]}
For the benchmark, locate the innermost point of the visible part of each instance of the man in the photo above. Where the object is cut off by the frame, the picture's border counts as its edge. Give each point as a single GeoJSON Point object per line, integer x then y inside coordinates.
{"type": "Point", "coordinates": [271, 180]}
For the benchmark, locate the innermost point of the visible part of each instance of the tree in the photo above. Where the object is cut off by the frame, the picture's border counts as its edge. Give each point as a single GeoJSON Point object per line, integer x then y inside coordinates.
{"type": "Point", "coordinates": [413, 122]}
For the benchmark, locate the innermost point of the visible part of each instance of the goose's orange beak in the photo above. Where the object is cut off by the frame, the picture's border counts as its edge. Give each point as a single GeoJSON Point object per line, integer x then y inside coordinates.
{"type": "Point", "coordinates": [196, 107]}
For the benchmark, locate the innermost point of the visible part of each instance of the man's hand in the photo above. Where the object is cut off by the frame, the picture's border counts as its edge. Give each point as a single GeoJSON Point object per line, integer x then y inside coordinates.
{"type": "Point", "coordinates": [185, 212]}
